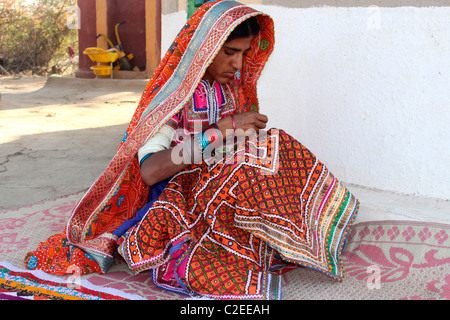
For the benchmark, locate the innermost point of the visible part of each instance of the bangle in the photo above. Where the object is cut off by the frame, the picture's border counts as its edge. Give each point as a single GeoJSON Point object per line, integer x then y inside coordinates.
{"type": "Point", "coordinates": [218, 133]}
{"type": "Point", "coordinates": [234, 123]}
{"type": "Point", "coordinates": [212, 134]}
{"type": "Point", "coordinates": [208, 136]}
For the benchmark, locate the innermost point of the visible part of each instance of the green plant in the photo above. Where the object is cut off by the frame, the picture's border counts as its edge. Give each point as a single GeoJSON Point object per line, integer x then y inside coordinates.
{"type": "Point", "coordinates": [35, 37]}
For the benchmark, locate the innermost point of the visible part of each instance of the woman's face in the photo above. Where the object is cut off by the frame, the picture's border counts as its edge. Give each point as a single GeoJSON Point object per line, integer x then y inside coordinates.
{"type": "Point", "coordinates": [229, 60]}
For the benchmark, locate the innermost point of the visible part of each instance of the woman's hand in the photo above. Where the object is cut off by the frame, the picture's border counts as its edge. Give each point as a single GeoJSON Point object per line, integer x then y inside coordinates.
{"type": "Point", "coordinates": [244, 121]}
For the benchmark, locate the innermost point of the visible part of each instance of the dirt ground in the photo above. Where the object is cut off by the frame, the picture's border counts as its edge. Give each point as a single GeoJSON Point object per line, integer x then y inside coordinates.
{"type": "Point", "coordinates": [58, 134]}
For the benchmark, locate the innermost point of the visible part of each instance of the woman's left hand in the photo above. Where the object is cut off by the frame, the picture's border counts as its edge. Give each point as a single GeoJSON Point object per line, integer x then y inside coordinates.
{"type": "Point", "coordinates": [244, 121]}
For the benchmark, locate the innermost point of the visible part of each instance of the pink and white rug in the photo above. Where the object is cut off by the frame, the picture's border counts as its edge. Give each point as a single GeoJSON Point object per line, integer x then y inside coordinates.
{"type": "Point", "coordinates": [389, 260]}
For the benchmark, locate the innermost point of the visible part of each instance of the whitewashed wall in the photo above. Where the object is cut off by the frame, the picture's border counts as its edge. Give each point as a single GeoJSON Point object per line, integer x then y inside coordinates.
{"type": "Point", "coordinates": [365, 89]}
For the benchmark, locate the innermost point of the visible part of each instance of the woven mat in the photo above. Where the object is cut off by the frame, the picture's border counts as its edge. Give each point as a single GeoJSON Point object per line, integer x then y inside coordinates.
{"type": "Point", "coordinates": [21, 231]}
{"type": "Point", "coordinates": [389, 260]}
{"type": "Point", "coordinates": [384, 260]}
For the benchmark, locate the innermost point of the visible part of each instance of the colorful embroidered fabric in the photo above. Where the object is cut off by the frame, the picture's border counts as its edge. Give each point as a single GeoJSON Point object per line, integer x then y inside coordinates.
{"type": "Point", "coordinates": [217, 230]}
{"type": "Point", "coordinates": [57, 255]}
{"type": "Point", "coordinates": [18, 284]}
{"type": "Point", "coordinates": [223, 230]}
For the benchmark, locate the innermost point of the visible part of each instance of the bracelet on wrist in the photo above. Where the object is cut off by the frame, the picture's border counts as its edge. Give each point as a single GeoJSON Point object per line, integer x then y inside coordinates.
{"type": "Point", "coordinates": [234, 123]}
{"type": "Point", "coordinates": [208, 136]}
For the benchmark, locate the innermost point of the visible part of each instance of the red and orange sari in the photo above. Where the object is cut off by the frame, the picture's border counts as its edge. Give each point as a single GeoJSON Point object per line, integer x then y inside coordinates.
{"type": "Point", "coordinates": [222, 230]}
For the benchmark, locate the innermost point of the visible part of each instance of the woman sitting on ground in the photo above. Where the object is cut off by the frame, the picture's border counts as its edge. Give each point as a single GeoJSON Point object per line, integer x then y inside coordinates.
{"type": "Point", "coordinates": [198, 192]}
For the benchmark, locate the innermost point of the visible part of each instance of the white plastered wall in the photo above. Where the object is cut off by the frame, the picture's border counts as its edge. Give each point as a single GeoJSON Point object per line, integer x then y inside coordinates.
{"type": "Point", "coordinates": [366, 89]}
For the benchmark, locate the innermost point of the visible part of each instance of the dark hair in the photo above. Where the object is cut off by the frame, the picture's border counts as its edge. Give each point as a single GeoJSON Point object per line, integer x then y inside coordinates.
{"type": "Point", "coordinates": [247, 28]}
